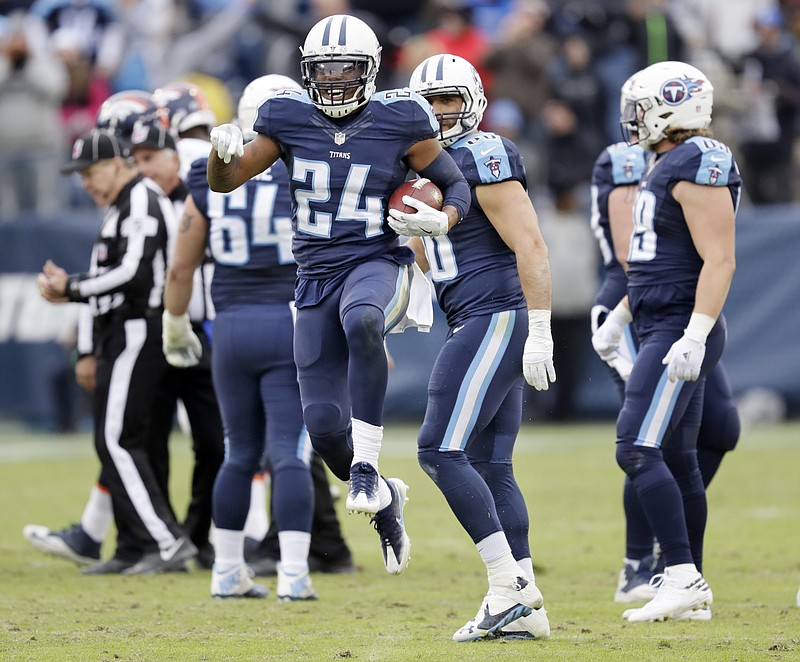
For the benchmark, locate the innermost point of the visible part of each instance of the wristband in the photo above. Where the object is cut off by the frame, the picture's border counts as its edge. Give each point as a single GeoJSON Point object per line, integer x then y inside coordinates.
{"type": "Point", "coordinates": [538, 317]}
{"type": "Point", "coordinates": [700, 325]}
{"type": "Point", "coordinates": [73, 289]}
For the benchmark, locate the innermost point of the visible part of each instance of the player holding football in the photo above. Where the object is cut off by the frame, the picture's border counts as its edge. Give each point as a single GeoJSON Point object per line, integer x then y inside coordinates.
{"type": "Point", "coordinates": [347, 148]}
{"type": "Point", "coordinates": [615, 179]}
{"type": "Point", "coordinates": [680, 265]}
{"type": "Point", "coordinates": [492, 278]}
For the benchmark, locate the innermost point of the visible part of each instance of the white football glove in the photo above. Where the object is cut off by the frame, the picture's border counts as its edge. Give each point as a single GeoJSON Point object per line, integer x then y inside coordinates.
{"type": "Point", "coordinates": [684, 358]}
{"type": "Point", "coordinates": [620, 362]}
{"type": "Point", "coordinates": [228, 140]}
{"type": "Point", "coordinates": [609, 334]}
{"type": "Point", "coordinates": [537, 357]}
{"type": "Point", "coordinates": [182, 348]}
{"type": "Point", "coordinates": [426, 222]}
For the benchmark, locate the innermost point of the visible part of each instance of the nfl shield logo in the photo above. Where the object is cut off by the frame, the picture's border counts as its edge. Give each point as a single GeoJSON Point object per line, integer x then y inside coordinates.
{"type": "Point", "coordinates": [339, 138]}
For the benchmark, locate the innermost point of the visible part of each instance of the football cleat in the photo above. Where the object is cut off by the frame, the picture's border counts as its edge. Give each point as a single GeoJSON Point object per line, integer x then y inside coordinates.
{"type": "Point", "coordinates": [698, 614]}
{"type": "Point", "coordinates": [388, 522]}
{"type": "Point", "coordinates": [506, 601]}
{"type": "Point", "coordinates": [72, 543]}
{"type": "Point", "coordinates": [533, 626]}
{"type": "Point", "coordinates": [165, 560]}
{"type": "Point", "coordinates": [362, 495]}
{"type": "Point", "coordinates": [235, 582]}
{"type": "Point", "coordinates": [295, 587]}
{"type": "Point", "coordinates": [634, 585]}
{"type": "Point", "coordinates": [679, 591]}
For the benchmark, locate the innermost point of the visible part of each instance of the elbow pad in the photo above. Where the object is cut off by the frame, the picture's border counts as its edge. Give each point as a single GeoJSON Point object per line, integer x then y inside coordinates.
{"type": "Point", "coordinates": [444, 172]}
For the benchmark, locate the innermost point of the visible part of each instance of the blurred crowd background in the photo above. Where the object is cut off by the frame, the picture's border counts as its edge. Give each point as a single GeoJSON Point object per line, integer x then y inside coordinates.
{"type": "Point", "coordinates": [552, 71]}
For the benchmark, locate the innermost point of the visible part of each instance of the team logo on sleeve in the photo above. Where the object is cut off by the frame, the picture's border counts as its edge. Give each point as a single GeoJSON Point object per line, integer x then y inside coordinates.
{"type": "Point", "coordinates": [676, 90]}
{"type": "Point", "coordinates": [714, 173]}
{"type": "Point", "coordinates": [494, 166]}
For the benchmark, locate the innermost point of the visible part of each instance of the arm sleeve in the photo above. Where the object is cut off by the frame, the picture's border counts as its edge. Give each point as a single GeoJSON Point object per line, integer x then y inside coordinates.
{"type": "Point", "coordinates": [444, 172]}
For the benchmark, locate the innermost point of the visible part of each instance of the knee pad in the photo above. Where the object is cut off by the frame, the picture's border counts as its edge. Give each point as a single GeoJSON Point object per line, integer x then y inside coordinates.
{"type": "Point", "coordinates": [632, 459]}
{"type": "Point", "coordinates": [363, 328]}
{"type": "Point", "coordinates": [323, 419]}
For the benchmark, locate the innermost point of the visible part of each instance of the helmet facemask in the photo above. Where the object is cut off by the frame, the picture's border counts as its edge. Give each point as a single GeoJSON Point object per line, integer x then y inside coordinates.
{"type": "Point", "coordinates": [337, 85]}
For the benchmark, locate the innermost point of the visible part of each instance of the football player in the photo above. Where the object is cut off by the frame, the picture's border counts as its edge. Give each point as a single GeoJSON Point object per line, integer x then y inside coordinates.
{"type": "Point", "coordinates": [680, 265]}
{"type": "Point", "coordinates": [347, 149]}
{"type": "Point", "coordinates": [492, 278]}
{"type": "Point", "coordinates": [249, 234]}
{"type": "Point", "coordinates": [615, 178]}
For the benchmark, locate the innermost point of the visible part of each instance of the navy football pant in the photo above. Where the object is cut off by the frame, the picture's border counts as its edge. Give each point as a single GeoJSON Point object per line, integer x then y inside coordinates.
{"type": "Point", "coordinates": [341, 360]}
{"type": "Point", "coordinates": [471, 422]}
{"type": "Point", "coordinates": [256, 384]}
{"type": "Point", "coordinates": [656, 445]}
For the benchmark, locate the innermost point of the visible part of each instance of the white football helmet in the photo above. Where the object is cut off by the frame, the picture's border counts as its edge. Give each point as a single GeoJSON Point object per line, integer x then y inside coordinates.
{"type": "Point", "coordinates": [662, 96]}
{"type": "Point", "coordinates": [340, 61]}
{"type": "Point", "coordinates": [452, 75]}
{"type": "Point", "coordinates": [255, 94]}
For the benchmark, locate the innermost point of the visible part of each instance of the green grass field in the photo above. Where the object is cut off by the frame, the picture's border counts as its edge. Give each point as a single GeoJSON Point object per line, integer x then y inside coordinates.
{"type": "Point", "coordinates": [49, 611]}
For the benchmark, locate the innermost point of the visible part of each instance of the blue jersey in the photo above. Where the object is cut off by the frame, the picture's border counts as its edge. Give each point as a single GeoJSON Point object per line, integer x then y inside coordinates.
{"type": "Point", "coordinates": [661, 249]}
{"type": "Point", "coordinates": [249, 237]}
{"type": "Point", "coordinates": [342, 174]}
{"type": "Point", "coordinates": [474, 272]}
{"type": "Point", "coordinates": [619, 164]}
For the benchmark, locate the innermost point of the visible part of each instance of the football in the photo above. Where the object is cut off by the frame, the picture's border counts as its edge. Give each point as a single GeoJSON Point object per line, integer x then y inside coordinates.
{"type": "Point", "coordinates": [421, 189]}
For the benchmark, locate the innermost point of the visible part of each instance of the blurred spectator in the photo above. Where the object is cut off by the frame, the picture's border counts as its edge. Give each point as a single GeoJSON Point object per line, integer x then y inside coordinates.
{"type": "Point", "coordinates": [574, 266]}
{"type": "Point", "coordinates": [772, 79]}
{"type": "Point", "coordinates": [520, 58]}
{"type": "Point", "coordinates": [574, 82]}
{"type": "Point", "coordinates": [454, 32]}
{"type": "Point", "coordinates": [32, 85]}
{"type": "Point", "coordinates": [87, 88]}
{"type": "Point", "coordinates": [94, 26]}
{"type": "Point", "coordinates": [653, 34]}
{"type": "Point", "coordinates": [723, 28]}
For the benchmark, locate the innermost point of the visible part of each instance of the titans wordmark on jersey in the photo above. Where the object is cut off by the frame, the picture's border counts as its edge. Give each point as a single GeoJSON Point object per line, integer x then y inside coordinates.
{"type": "Point", "coordinates": [474, 272]}
{"type": "Point", "coordinates": [249, 237]}
{"type": "Point", "coordinates": [343, 172]}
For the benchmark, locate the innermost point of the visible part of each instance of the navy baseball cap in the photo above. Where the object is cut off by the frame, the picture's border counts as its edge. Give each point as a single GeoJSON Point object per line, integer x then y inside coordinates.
{"type": "Point", "coordinates": [97, 145]}
{"type": "Point", "coordinates": [153, 136]}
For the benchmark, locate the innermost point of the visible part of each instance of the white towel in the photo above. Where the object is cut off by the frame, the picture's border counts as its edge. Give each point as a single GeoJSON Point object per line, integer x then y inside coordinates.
{"type": "Point", "coordinates": [419, 313]}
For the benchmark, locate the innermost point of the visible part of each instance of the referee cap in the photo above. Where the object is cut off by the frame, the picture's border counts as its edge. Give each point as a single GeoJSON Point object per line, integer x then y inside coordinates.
{"type": "Point", "coordinates": [97, 145]}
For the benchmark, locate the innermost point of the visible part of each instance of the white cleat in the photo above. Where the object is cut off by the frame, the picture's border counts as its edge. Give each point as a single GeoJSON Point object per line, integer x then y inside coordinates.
{"type": "Point", "coordinates": [295, 587]}
{"type": "Point", "coordinates": [698, 614]}
{"type": "Point", "coordinates": [389, 523]}
{"type": "Point", "coordinates": [235, 582]}
{"type": "Point", "coordinates": [680, 591]}
{"type": "Point", "coordinates": [533, 626]}
{"type": "Point", "coordinates": [362, 494]}
{"type": "Point", "coordinates": [506, 601]}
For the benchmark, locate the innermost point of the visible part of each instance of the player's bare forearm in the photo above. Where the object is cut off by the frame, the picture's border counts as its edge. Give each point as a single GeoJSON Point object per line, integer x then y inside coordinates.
{"type": "Point", "coordinates": [190, 247]}
{"type": "Point", "coordinates": [222, 177]}
{"type": "Point", "coordinates": [452, 215]}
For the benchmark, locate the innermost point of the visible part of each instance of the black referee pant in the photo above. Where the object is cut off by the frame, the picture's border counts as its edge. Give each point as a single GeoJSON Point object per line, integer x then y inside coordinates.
{"type": "Point", "coordinates": [130, 366]}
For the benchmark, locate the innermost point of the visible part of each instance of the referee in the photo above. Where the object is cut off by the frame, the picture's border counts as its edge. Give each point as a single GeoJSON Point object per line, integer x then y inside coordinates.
{"type": "Point", "coordinates": [124, 287]}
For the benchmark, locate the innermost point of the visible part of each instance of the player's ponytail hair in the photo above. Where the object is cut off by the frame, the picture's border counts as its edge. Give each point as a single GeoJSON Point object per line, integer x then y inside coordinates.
{"type": "Point", "coordinates": [678, 136]}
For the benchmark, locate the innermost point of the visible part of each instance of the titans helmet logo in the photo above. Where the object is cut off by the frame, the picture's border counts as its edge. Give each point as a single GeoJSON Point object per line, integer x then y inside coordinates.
{"type": "Point", "coordinates": [676, 90]}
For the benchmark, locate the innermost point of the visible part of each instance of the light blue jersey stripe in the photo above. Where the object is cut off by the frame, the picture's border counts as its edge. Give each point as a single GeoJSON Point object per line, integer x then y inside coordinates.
{"type": "Point", "coordinates": [476, 381]}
